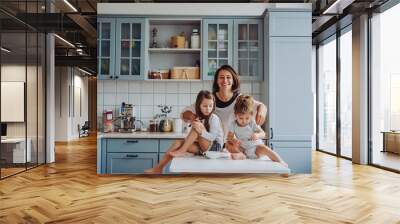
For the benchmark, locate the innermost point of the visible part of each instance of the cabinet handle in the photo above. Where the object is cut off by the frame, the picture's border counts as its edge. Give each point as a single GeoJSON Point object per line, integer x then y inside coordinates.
{"type": "Point", "coordinates": [132, 141]}
{"type": "Point", "coordinates": [116, 77]}
{"type": "Point", "coordinates": [272, 146]}
{"type": "Point", "coordinates": [132, 156]}
{"type": "Point", "coordinates": [271, 133]}
{"type": "Point", "coordinates": [111, 77]}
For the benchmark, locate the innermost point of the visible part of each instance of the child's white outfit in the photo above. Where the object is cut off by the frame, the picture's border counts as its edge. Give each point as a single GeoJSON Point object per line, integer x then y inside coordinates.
{"type": "Point", "coordinates": [243, 134]}
{"type": "Point", "coordinates": [215, 135]}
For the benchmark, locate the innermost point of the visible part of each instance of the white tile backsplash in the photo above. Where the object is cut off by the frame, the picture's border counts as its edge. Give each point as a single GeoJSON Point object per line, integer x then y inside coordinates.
{"type": "Point", "coordinates": [193, 98]}
{"type": "Point", "coordinates": [159, 87]}
{"type": "Point", "coordinates": [135, 87]}
{"type": "Point", "coordinates": [172, 87]}
{"type": "Point", "coordinates": [172, 99]}
{"type": "Point", "coordinates": [256, 88]}
{"type": "Point", "coordinates": [135, 98]}
{"type": "Point", "coordinates": [99, 86]}
{"type": "Point", "coordinates": [184, 87]}
{"type": "Point", "coordinates": [122, 97]}
{"type": "Point", "coordinates": [148, 87]}
{"type": "Point", "coordinates": [184, 99]}
{"type": "Point", "coordinates": [146, 95]}
{"type": "Point", "coordinates": [110, 86]}
{"type": "Point", "coordinates": [159, 99]}
{"type": "Point", "coordinates": [122, 86]}
{"type": "Point", "coordinates": [147, 99]}
{"type": "Point", "coordinates": [109, 99]}
{"type": "Point", "coordinates": [245, 87]}
{"type": "Point", "coordinates": [196, 87]}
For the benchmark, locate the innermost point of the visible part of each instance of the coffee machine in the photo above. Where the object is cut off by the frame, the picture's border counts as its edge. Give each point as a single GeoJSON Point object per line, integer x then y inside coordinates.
{"type": "Point", "coordinates": [127, 118]}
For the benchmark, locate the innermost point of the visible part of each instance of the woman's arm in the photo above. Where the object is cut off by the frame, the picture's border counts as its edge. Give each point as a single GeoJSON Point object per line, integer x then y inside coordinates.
{"type": "Point", "coordinates": [261, 112]}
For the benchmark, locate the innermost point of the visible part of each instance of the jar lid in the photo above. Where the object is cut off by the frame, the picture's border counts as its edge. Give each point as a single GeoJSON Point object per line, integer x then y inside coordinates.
{"type": "Point", "coordinates": [195, 30]}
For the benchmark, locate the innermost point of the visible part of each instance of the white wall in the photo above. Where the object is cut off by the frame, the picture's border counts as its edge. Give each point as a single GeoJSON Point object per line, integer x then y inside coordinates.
{"type": "Point", "coordinates": [70, 83]}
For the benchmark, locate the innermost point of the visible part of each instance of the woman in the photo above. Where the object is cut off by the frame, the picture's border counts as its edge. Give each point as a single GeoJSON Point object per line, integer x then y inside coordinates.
{"type": "Point", "coordinates": [226, 89]}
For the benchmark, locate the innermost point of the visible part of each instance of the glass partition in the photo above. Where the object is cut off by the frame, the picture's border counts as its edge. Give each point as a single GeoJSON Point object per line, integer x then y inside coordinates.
{"type": "Point", "coordinates": [327, 96]}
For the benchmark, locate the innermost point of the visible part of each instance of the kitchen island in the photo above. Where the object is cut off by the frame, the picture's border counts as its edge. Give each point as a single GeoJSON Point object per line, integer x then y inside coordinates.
{"type": "Point", "coordinates": [132, 153]}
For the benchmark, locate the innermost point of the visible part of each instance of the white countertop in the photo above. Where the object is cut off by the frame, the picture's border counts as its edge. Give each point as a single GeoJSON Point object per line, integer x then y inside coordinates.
{"type": "Point", "coordinates": [155, 135]}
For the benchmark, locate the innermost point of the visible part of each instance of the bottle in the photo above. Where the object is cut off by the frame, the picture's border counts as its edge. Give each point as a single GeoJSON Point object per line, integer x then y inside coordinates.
{"type": "Point", "coordinates": [195, 39]}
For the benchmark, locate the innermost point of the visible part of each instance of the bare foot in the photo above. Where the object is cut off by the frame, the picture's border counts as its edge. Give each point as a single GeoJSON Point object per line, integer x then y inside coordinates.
{"type": "Point", "coordinates": [284, 175]}
{"type": "Point", "coordinates": [181, 154]}
{"type": "Point", "coordinates": [238, 156]}
{"type": "Point", "coordinates": [284, 164]}
{"type": "Point", "coordinates": [154, 170]}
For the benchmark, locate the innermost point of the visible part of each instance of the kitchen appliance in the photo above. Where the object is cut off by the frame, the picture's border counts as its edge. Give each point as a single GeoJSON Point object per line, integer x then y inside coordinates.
{"type": "Point", "coordinates": [108, 121]}
{"type": "Point", "coordinates": [127, 118]}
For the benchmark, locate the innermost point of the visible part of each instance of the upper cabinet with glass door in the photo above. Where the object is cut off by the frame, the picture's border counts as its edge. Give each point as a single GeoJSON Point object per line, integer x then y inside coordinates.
{"type": "Point", "coordinates": [217, 45]}
{"type": "Point", "coordinates": [106, 48]}
{"type": "Point", "coordinates": [248, 48]}
{"type": "Point", "coordinates": [130, 48]}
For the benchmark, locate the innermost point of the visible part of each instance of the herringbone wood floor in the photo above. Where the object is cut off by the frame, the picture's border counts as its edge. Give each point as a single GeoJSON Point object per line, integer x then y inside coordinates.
{"type": "Point", "coordinates": [70, 191]}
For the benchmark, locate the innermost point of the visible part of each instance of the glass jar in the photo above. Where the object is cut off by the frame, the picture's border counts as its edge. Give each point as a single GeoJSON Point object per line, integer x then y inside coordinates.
{"type": "Point", "coordinates": [195, 39]}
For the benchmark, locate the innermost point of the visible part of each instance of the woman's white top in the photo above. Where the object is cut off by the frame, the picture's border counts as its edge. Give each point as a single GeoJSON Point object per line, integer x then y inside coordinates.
{"type": "Point", "coordinates": [225, 111]}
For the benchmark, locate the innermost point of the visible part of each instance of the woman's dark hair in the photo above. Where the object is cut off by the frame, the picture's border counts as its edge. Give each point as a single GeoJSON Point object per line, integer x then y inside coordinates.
{"type": "Point", "coordinates": [204, 94]}
{"type": "Point", "coordinates": [235, 77]}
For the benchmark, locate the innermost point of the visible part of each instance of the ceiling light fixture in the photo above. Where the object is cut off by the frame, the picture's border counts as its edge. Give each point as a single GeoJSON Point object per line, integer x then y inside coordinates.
{"type": "Point", "coordinates": [84, 71]}
{"type": "Point", "coordinates": [65, 41]}
{"type": "Point", "coordinates": [5, 50]}
{"type": "Point", "coordinates": [70, 5]}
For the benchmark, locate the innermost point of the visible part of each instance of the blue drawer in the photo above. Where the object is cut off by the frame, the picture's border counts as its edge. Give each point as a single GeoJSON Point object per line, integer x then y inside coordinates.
{"type": "Point", "coordinates": [126, 163]}
{"type": "Point", "coordinates": [132, 145]}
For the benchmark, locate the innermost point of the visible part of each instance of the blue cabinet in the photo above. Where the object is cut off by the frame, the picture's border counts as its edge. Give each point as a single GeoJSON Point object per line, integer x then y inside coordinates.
{"type": "Point", "coordinates": [290, 96]}
{"type": "Point", "coordinates": [248, 48]}
{"type": "Point", "coordinates": [296, 154]}
{"type": "Point", "coordinates": [217, 45]}
{"type": "Point", "coordinates": [130, 156]}
{"type": "Point", "coordinates": [130, 48]}
{"type": "Point", "coordinates": [122, 163]}
{"type": "Point", "coordinates": [106, 48]}
{"type": "Point", "coordinates": [289, 24]}
{"type": "Point", "coordinates": [290, 91]}
{"type": "Point", "coordinates": [236, 42]}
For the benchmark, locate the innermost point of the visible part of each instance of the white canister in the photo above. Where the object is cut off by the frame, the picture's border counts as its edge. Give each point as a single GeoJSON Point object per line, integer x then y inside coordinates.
{"type": "Point", "coordinates": [178, 125]}
{"type": "Point", "coordinates": [195, 39]}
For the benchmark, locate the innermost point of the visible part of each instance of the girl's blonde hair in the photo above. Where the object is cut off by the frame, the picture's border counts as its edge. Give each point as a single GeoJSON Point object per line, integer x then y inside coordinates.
{"type": "Point", "coordinates": [204, 94]}
{"type": "Point", "coordinates": [244, 104]}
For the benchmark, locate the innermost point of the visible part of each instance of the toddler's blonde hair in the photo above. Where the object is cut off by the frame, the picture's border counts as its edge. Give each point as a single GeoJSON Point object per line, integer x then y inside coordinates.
{"type": "Point", "coordinates": [244, 104]}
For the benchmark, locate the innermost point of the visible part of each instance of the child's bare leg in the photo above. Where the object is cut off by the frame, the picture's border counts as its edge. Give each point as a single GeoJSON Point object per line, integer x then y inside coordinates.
{"type": "Point", "coordinates": [204, 144]}
{"type": "Point", "coordinates": [166, 158]}
{"type": "Point", "coordinates": [235, 151]}
{"type": "Point", "coordinates": [264, 150]}
{"type": "Point", "coordinates": [189, 140]}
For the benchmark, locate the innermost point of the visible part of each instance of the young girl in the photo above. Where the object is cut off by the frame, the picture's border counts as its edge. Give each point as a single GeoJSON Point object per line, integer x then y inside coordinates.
{"type": "Point", "coordinates": [206, 133]}
{"type": "Point", "coordinates": [245, 135]}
